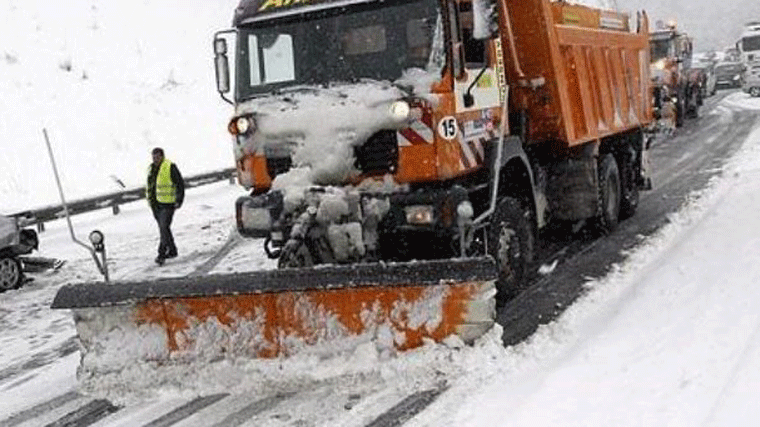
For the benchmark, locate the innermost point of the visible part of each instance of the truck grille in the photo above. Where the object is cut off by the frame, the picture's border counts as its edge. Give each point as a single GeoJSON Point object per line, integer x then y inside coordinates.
{"type": "Point", "coordinates": [379, 154]}
{"type": "Point", "coordinates": [278, 165]}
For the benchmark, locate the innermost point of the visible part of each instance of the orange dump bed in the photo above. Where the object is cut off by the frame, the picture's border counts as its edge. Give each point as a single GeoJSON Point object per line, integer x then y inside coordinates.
{"type": "Point", "coordinates": [585, 75]}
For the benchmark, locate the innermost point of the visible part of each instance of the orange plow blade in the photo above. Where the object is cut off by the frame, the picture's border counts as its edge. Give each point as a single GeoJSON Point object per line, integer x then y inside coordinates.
{"type": "Point", "coordinates": [323, 310]}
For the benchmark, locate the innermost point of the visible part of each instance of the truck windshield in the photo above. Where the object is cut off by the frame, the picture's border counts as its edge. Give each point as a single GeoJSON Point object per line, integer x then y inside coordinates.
{"type": "Point", "coordinates": [750, 44]}
{"type": "Point", "coordinates": [659, 49]}
{"type": "Point", "coordinates": [344, 44]}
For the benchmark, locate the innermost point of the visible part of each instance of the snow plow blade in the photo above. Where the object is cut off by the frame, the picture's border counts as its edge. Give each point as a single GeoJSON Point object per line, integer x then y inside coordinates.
{"type": "Point", "coordinates": [277, 313]}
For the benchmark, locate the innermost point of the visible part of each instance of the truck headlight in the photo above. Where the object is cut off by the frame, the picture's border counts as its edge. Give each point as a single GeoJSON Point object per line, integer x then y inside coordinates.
{"type": "Point", "coordinates": [400, 110]}
{"type": "Point", "coordinates": [419, 214]}
{"type": "Point", "coordinates": [241, 125]}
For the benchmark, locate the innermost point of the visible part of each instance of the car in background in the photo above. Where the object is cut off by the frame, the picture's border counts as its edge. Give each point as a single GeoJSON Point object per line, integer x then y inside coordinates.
{"type": "Point", "coordinates": [752, 86]}
{"type": "Point", "coordinates": [729, 75]}
{"type": "Point", "coordinates": [752, 80]}
{"type": "Point", "coordinates": [14, 242]}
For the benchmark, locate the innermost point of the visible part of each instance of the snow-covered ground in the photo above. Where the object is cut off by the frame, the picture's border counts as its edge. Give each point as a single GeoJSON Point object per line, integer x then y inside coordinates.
{"type": "Point", "coordinates": [670, 337]}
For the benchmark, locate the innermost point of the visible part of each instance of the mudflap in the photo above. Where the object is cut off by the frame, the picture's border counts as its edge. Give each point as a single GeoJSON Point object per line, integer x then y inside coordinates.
{"type": "Point", "coordinates": [322, 310]}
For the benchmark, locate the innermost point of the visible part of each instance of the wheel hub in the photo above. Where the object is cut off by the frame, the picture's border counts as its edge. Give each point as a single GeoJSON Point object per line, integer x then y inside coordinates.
{"type": "Point", "coordinates": [9, 273]}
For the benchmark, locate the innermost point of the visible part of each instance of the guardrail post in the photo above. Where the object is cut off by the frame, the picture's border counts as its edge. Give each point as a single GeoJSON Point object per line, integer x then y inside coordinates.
{"type": "Point", "coordinates": [40, 227]}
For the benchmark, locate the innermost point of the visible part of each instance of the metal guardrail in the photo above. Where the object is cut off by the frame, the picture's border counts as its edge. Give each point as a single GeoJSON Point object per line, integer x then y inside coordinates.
{"type": "Point", "coordinates": [113, 200]}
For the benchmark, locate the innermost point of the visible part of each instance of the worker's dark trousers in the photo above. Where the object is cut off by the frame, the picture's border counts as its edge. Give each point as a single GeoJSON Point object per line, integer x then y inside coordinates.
{"type": "Point", "coordinates": [164, 214]}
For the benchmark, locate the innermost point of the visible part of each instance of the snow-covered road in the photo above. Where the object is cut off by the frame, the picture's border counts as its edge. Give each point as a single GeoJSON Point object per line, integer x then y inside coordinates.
{"type": "Point", "coordinates": [670, 337]}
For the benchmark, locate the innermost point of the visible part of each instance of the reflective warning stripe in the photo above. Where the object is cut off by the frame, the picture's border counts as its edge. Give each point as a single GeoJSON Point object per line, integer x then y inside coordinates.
{"type": "Point", "coordinates": [471, 153]}
{"type": "Point", "coordinates": [418, 133]}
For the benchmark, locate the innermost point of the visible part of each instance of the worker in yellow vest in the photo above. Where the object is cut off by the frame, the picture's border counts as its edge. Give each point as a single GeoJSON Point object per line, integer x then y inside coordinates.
{"type": "Point", "coordinates": [165, 192]}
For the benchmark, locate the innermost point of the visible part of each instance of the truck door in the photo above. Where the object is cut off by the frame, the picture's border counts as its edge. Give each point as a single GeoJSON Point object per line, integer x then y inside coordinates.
{"type": "Point", "coordinates": [476, 82]}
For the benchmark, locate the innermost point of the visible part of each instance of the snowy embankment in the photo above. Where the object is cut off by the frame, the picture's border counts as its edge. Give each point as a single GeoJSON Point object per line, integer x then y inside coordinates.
{"type": "Point", "coordinates": [109, 81]}
{"type": "Point", "coordinates": [670, 337]}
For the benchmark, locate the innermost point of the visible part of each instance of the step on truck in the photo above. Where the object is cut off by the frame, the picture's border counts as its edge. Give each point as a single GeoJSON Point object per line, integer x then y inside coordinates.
{"type": "Point", "coordinates": [401, 157]}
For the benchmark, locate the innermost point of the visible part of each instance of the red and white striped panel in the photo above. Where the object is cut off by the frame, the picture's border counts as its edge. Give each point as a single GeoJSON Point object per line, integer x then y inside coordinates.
{"type": "Point", "coordinates": [420, 132]}
{"type": "Point", "coordinates": [471, 153]}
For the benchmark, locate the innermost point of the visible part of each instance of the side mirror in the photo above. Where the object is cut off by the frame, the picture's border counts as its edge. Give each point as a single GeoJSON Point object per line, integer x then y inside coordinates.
{"type": "Point", "coordinates": [221, 65]}
{"type": "Point", "coordinates": [220, 46]}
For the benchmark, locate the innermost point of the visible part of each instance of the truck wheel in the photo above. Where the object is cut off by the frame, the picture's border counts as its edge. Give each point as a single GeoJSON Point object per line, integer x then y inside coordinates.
{"type": "Point", "coordinates": [629, 200]}
{"type": "Point", "coordinates": [609, 194]}
{"type": "Point", "coordinates": [11, 274]}
{"type": "Point", "coordinates": [754, 91]}
{"type": "Point", "coordinates": [510, 243]}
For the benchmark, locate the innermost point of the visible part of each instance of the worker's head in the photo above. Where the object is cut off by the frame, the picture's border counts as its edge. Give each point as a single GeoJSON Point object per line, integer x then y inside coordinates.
{"type": "Point", "coordinates": [158, 155]}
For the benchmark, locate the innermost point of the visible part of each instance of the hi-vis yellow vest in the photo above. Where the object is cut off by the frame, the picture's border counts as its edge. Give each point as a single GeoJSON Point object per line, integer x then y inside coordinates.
{"type": "Point", "coordinates": [166, 192]}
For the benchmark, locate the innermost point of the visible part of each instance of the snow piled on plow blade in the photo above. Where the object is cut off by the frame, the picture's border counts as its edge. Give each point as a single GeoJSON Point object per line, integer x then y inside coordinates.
{"type": "Point", "coordinates": [186, 330]}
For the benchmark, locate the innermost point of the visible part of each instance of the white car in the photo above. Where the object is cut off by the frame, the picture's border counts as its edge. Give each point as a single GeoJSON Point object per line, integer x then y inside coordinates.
{"type": "Point", "coordinates": [751, 83]}
{"type": "Point", "coordinates": [14, 241]}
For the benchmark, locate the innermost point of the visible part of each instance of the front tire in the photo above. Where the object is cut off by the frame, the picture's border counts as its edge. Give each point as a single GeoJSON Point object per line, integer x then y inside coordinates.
{"type": "Point", "coordinates": [754, 91]}
{"type": "Point", "coordinates": [511, 243]}
{"type": "Point", "coordinates": [609, 194]}
{"type": "Point", "coordinates": [11, 274]}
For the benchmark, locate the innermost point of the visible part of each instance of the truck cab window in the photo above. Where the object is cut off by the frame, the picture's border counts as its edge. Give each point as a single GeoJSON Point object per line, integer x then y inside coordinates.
{"type": "Point", "coordinates": [363, 40]}
{"type": "Point", "coordinates": [419, 40]}
{"type": "Point", "coordinates": [474, 50]}
{"type": "Point", "coordinates": [271, 59]}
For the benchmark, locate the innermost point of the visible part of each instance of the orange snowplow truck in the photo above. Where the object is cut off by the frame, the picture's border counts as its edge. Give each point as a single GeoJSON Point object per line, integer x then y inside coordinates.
{"type": "Point", "coordinates": [402, 157]}
{"type": "Point", "coordinates": [675, 85]}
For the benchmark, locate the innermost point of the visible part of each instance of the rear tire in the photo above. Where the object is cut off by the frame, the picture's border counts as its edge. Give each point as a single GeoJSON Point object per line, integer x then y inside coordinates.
{"type": "Point", "coordinates": [510, 243]}
{"type": "Point", "coordinates": [629, 200]}
{"type": "Point", "coordinates": [11, 275]}
{"type": "Point", "coordinates": [609, 194]}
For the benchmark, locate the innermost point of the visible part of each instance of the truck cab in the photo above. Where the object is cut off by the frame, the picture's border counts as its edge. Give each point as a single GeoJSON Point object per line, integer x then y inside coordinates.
{"type": "Point", "coordinates": [416, 119]}
{"type": "Point", "coordinates": [671, 55]}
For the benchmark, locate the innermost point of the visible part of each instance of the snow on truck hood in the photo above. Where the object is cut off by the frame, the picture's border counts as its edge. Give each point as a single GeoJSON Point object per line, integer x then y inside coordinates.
{"type": "Point", "coordinates": [320, 126]}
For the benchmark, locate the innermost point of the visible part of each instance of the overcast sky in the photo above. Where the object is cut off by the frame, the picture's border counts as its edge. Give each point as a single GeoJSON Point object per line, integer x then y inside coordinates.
{"type": "Point", "coordinates": [713, 24]}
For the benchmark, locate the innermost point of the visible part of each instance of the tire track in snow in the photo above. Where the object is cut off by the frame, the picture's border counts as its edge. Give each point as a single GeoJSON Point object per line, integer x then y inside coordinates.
{"type": "Point", "coordinates": [233, 240]}
{"type": "Point", "coordinates": [37, 410]}
{"type": "Point", "coordinates": [242, 415]}
{"type": "Point", "coordinates": [92, 412]}
{"type": "Point", "coordinates": [677, 175]}
{"type": "Point", "coordinates": [186, 410]}
{"type": "Point", "coordinates": [39, 360]}
{"type": "Point", "coordinates": [407, 408]}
